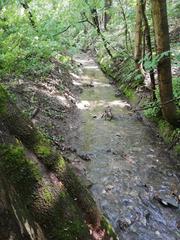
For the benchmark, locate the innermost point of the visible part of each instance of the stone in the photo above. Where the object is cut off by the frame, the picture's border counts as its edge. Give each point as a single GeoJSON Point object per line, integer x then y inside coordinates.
{"type": "Point", "coordinates": [168, 200]}
{"type": "Point", "coordinates": [124, 223]}
{"type": "Point", "coordinates": [118, 94]}
{"type": "Point", "coordinates": [85, 157]}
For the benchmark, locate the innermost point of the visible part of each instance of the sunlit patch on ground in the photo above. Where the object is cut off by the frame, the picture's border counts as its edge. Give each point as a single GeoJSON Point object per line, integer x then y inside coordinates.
{"type": "Point", "coordinates": [84, 104]}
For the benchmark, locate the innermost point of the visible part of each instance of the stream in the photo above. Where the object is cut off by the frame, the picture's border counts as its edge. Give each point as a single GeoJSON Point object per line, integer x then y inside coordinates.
{"type": "Point", "coordinates": [135, 181]}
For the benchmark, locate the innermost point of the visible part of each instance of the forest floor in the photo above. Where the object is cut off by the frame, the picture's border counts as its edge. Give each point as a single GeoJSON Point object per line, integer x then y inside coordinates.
{"type": "Point", "coordinates": [129, 170]}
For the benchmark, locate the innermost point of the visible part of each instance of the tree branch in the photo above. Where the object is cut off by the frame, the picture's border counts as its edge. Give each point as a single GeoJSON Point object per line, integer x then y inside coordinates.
{"type": "Point", "coordinates": [68, 27]}
{"type": "Point", "coordinates": [155, 105]}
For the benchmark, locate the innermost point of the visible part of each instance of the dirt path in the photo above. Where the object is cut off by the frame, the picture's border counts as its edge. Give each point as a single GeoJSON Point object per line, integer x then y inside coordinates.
{"type": "Point", "coordinates": [134, 180]}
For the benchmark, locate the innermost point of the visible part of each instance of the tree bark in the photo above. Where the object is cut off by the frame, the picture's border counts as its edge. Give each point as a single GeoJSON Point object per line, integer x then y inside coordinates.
{"type": "Point", "coordinates": [149, 45]}
{"type": "Point", "coordinates": [159, 13]}
{"type": "Point", "coordinates": [107, 16]}
{"type": "Point", "coordinates": [127, 33]}
{"type": "Point", "coordinates": [138, 34]}
{"type": "Point", "coordinates": [98, 29]}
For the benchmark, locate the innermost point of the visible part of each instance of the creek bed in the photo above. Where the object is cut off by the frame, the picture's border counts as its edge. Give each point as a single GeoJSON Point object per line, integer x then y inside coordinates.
{"type": "Point", "coordinates": [135, 181]}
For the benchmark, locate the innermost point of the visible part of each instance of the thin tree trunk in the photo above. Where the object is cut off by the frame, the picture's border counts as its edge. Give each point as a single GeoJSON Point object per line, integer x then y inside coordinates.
{"type": "Point", "coordinates": [107, 16]}
{"type": "Point", "coordinates": [159, 13]}
{"type": "Point", "coordinates": [96, 25]}
{"type": "Point", "coordinates": [26, 7]}
{"type": "Point", "coordinates": [127, 33]}
{"type": "Point", "coordinates": [138, 34]}
{"type": "Point", "coordinates": [98, 29]}
{"type": "Point", "coordinates": [149, 45]}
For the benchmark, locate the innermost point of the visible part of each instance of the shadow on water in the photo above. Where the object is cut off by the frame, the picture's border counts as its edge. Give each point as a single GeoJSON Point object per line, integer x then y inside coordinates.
{"type": "Point", "coordinates": [135, 182]}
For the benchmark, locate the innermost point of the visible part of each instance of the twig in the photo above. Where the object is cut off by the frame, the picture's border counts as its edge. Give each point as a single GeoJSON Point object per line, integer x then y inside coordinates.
{"type": "Point", "coordinates": [67, 28]}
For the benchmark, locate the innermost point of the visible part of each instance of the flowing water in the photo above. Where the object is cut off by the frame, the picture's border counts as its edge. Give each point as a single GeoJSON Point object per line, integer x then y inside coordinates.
{"type": "Point", "coordinates": [135, 181]}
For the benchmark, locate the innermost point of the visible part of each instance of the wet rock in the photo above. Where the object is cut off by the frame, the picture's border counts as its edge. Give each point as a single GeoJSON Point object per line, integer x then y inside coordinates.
{"type": "Point", "coordinates": [124, 223]}
{"type": "Point", "coordinates": [80, 90]}
{"type": "Point", "coordinates": [128, 107]}
{"type": "Point", "coordinates": [167, 200]}
{"type": "Point", "coordinates": [118, 135]}
{"type": "Point", "coordinates": [115, 153]}
{"type": "Point", "coordinates": [118, 94]}
{"type": "Point", "coordinates": [178, 224]}
{"type": "Point", "coordinates": [109, 188]}
{"type": "Point", "coordinates": [108, 150]}
{"type": "Point", "coordinates": [147, 214]}
{"type": "Point", "coordinates": [88, 85]}
{"type": "Point", "coordinates": [107, 114]}
{"type": "Point", "coordinates": [84, 156]}
{"type": "Point", "coordinates": [158, 233]}
{"type": "Point", "coordinates": [138, 117]}
{"type": "Point", "coordinates": [111, 82]}
{"type": "Point", "coordinates": [87, 182]}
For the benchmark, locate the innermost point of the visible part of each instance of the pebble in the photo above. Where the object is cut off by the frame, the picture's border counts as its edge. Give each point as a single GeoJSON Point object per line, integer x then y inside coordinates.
{"type": "Point", "coordinates": [109, 187]}
{"type": "Point", "coordinates": [124, 223]}
{"type": "Point", "coordinates": [157, 233]}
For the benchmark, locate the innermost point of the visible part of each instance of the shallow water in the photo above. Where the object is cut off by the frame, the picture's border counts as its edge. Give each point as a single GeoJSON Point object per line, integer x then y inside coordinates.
{"type": "Point", "coordinates": [131, 170]}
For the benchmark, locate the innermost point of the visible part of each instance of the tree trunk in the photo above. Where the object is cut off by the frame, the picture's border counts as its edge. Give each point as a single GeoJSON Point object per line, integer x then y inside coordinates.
{"type": "Point", "coordinates": [159, 13]}
{"type": "Point", "coordinates": [98, 29]}
{"type": "Point", "coordinates": [138, 34]}
{"type": "Point", "coordinates": [127, 33]}
{"type": "Point", "coordinates": [107, 16]}
{"type": "Point", "coordinates": [149, 45]}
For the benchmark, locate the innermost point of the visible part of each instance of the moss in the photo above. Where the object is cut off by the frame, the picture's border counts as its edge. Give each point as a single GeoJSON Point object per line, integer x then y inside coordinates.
{"type": "Point", "coordinates": [166, 131]}
{"type": "Point", "coordinates": [110, 231]}
{"type": "Point", "coordinates": [47, 195]}
{"type": "Point", "coordinates": [71, 230]}
{"type": "Point", "coordinates": [129, 93]}
{"type": "Point", "coordinates": [33, 199]}
{"type": "Point", "coordinates": [3, 100]}
{"type": "Point", "coordinates": [169, 134]}
{"type": "Point", "coordinates": [61, 165]}
{"type": "Point", "coordinates": [177, 149]}
{"type": "Point", "coordinates": [63, 195]}
{"type": "Point", "coordinates": [43, 150]}
{"type": "Point", "coordinates": [21, 172]}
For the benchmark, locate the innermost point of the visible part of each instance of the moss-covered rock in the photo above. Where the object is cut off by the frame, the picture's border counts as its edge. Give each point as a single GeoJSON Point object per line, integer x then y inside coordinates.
{"type": "Point", "coordinates": [35, 198]}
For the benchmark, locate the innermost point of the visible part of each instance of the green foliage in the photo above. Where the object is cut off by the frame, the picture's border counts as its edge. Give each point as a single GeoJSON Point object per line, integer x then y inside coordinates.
{"type": "Point", "coordinates": [3, 100]}
{"type": "Point", "coordinates": [28, 49]}
{"type": "Point", "coordinates": [168, 133]}
{"type": "Point", "coordinates": [105, 224]}
{"type": "Point", "coordinates": [151, 64]}
{"type": "Point", "coordinates": [154, 109]}
{"type": "Point", "coordinates": [152, 112]}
